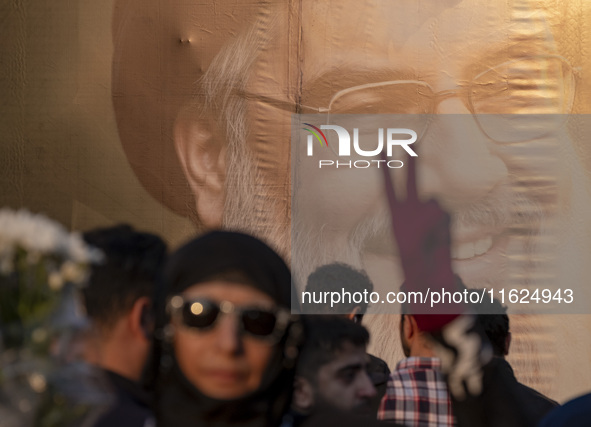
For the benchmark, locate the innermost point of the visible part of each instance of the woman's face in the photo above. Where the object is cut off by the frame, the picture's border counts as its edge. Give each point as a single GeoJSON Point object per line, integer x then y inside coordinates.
{"type": "Point", "coordinates": [221, 361]}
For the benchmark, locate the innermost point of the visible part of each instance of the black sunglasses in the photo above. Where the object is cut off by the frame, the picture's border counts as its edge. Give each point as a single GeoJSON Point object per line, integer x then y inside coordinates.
{"type": "Point", "coordinates": [202, 314]}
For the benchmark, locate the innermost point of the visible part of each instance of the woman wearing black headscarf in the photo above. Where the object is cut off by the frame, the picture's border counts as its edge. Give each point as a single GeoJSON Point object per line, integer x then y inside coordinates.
{"type": "Point", "coordinates": [226, 341]}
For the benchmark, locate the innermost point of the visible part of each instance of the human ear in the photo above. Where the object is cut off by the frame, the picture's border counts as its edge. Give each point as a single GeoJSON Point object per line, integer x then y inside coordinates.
{"type": "Point", "coordinates": [202, 154]}
{"type": "Point", "coordinates": [303, 395]}
{"type": "Point", "coordinates": [409, 327]}
{"type": "Point", "coordinates": [507, 344]}
{"type": "Point", "coordinates": [141, 319]}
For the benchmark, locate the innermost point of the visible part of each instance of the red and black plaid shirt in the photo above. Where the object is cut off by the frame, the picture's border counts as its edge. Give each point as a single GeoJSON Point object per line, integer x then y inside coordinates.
{"type": "Point", "coordinates": [416, 395]}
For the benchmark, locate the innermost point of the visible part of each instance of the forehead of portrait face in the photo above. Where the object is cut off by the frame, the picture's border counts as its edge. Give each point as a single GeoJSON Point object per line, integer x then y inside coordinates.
{"type": "Point", "coordinates": [365, 42]}
{"type": "Point", "coordinates": [343, 382]}
{"type": "Point", "coordinates": [221, 361]}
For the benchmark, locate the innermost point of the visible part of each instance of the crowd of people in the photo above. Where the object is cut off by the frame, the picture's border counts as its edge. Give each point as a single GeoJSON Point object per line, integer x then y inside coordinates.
{"type": "Point", "coordinates": [206, 336]}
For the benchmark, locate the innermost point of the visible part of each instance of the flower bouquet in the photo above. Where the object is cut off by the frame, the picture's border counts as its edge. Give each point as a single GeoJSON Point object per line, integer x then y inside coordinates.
{"type": "Point", "coordinates": [42, 267]}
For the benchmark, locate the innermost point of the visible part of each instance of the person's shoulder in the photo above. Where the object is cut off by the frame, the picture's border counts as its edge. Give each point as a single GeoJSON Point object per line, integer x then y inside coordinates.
{"type": "Point", "coordinates": [412, 375]}
{"type": "Point", "coordinates": [131, 406]}
{"type": "Point", "coordinates": [378, 364]}
{"type": "Point", "coordinates": [575, 413]}
{"type": "Point", "coordinates": [413, 364]}
{"type": "Point", "coordinates": [537, 402]}
{"type": "Point", "coordinates": [542, 400]}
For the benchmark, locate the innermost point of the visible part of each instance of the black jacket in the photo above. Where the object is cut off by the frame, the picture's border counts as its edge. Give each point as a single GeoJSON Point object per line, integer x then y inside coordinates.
{"type": "Point", "coordinates": [505, 402]}
{"type": "Point", "coordinates": [132, 405]}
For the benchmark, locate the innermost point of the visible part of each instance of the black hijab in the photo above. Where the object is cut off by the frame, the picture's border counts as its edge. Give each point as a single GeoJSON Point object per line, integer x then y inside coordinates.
{"type": "Point", "coordinates": [217, 253]}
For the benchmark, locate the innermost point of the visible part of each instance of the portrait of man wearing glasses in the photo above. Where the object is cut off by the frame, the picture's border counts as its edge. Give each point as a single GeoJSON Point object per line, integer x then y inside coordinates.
{"type": "Point", "coordinates": [204, 96]}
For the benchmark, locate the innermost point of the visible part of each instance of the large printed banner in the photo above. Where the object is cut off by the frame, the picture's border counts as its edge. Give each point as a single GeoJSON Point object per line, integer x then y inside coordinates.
{"type": "Point", "coordinates": [271, 118]}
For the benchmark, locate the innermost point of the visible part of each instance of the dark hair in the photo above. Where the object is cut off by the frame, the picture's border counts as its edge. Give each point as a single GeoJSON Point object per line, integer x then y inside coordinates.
{"type": "Point", "coordinates": [130, 268]}
{"type": "Point", "coordinates": [495, 326]}
{"type": "Point", "coordinates": [334, 278]}
{"type": "Point", "coordinates": [491, 316]}
{"type": "Point", "coordinates": [325, 337]}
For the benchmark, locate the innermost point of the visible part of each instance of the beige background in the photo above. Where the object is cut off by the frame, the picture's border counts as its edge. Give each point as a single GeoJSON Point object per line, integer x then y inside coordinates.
{"type": "Point", "coordinates": [59, 148]}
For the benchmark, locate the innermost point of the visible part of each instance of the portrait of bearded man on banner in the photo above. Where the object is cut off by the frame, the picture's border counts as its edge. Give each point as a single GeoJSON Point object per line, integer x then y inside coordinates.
{"type": "Point", "coordinates": [204, 96]}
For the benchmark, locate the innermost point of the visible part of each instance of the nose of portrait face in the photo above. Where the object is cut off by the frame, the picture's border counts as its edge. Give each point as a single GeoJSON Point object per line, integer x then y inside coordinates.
{"type": "Point", "coordinates": [458, 159]}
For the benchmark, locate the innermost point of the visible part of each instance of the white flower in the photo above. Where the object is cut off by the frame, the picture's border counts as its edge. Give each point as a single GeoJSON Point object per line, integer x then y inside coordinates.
{"type": "Point", "coordinates": [72, 272]}
{"type": "Point", "coordinates": [33, 233]}
{"type": "Point", "coordinates": [55, 281]}
{"type": "Point", "coordinates": [79, 251]}
{"type": "Point", "coordinates": [40, 237]}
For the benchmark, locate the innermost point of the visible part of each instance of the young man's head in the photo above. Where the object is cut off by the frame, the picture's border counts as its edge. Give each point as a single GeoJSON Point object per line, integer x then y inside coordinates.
{"type": "Point", "coordinates": [491, 315]}
{"type": "Point", "coordinates": [336, 278]}
{"type": "Point", "coordinates": [415, 342]}
{"type": "Point", "coordinates": [332, 370]}
{"type": "Point", "coordinates": [119, 294]}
